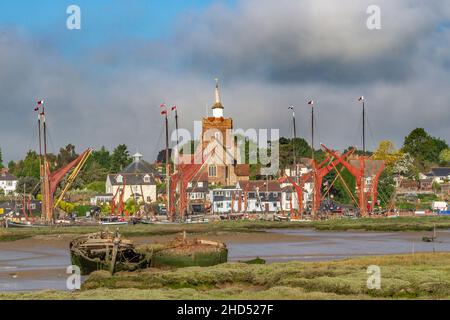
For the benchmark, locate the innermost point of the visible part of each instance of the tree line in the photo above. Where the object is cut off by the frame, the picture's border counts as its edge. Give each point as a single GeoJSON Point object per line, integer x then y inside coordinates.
{"type": "Point", "coordinates": [101, 163]}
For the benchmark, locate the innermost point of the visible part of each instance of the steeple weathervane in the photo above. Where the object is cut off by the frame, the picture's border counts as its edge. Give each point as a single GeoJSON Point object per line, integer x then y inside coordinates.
{"type": "Point", "coordinates": [217, 107]}
{"type": "Point", "coordinates": [217, 91]}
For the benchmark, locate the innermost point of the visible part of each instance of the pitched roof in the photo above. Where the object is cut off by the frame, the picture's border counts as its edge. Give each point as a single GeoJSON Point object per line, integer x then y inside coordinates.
{"type": "Point", "coordinates": [140, 166]}
{"type": "Point", "coordinates": [132, 179]}
{"type": "Point", "coordinates": [6, 176]}
{"type": "Point", "coordinates": [440, 172]}
{"type": "Point", "coordinates": [195, 187]}
{"type": "Point", "coordinates": [251, 185]}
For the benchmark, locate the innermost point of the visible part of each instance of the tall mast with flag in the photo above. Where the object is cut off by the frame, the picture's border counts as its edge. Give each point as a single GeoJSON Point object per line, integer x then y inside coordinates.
{"type": "Point", "coordinates": [47, 208]}
{"type": "Point", "coordinates": [164, 113]}
{"type": "Point", "coordinates": [293, 140]}
{"type": "Point", "coordinates": [361, 99]}
{"type": "Point", "coordinates": [313, 164]}
{"type": "Point", "coordinates": [363, 179]}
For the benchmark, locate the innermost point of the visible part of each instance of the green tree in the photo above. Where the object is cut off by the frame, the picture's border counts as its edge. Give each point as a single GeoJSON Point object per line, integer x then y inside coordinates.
{"type": "Point", "coordinates": [1, 159]}
{"type": "Point", "coordinates": [424, 148]}
{"type": "Point", "coordinates": [386, 151]}
{"type": "Point", "coordinates": [386, 187]}
{"type": "Point", "coordinates": [444, 157]}
{"type": "Point", "coordinates": [28, 184]}
{"type": "Point", "coordinates": [66, 155]}
{"type": "Point", "coordinates": [120, 158]}
{"type": "Point", "coordinates": [93, 171]}
{"type": "Point", "coordinates": [97, 186]}
{"type": "Point", "coordinates": [28, 167]}
{"type": "Point", "coordinates": [102, 157]}
{"type": "Point", "coordinates": [288, 146]}
{"type": "Point", "coordinates": [339, 189]}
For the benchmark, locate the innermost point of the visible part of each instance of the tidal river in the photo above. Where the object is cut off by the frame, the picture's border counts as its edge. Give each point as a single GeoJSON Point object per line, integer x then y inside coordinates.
{"type": "Point", "coordinates": [40, 262]}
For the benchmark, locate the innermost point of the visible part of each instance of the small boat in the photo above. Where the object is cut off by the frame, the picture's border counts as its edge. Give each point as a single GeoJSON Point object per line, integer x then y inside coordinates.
{"type": "Point", "coordinates": [112, 221]}
{"type": "Point", "coordinates": [280, 217]}
{"type": "Point", "coordinates": [432, 238]}
{"type": "Point", "coordinates": [143, 221]}
{"type": "Point", "coordinates": [232, 216]}
{"type": "Point", "coordinates": [28, 224]}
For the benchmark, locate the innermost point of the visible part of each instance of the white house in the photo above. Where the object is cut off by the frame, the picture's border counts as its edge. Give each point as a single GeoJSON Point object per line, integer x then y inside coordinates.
{"type": "Point", "coordinates": [8, 182]}
{"type": "Point", "coordinates": [100, 199]}
{"type": "Point", "coordinates": [439, 174]}
{"type": "Point", "coordinates": [137, 181]}
{"type": "Point", "coordinates": [247, 196]}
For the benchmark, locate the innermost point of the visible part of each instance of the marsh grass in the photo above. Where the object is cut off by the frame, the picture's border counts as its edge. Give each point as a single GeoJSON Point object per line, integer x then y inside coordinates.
{"type": "Point", "coordinates": [418, 276]}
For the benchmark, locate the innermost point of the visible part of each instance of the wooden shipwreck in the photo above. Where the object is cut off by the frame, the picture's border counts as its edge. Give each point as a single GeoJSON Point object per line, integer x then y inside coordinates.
{"type": "Point", "coordinates": [109, 251]}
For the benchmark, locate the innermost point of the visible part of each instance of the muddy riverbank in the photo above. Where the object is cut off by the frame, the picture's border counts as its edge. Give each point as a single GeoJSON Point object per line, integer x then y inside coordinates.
{"type": "Point", "coordinates": [40, 262]}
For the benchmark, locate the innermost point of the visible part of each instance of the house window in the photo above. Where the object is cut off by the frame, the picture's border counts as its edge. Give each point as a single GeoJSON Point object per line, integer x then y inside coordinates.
{"type": "Point", "coordinates": [212, 171]}
{"type": "Point", "coordinates": [190, 185]}
{"type": "Point", "coordinates": [200, 184]}
{"type": "Point", "coordinates": [119, 179]}
{"type": "Point", "coordinates": [147, 179]}
{"type": "Point", "coordinates": [149, 199]}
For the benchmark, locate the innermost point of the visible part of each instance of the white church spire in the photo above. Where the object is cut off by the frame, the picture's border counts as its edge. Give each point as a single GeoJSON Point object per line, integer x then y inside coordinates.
{"type": "Point", "coordinates": [217, 107]}
{"type": "Point", "coordinates": [217, 92]}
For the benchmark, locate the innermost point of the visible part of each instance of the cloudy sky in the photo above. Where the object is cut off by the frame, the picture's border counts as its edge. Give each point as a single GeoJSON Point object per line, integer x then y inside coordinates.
{"type": "Point", "coordinates": [103, 84]}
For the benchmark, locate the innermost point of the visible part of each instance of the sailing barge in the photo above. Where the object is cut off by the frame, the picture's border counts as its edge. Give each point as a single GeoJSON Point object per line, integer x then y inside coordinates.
{"type": "Point", "coordinates": [109, 251]}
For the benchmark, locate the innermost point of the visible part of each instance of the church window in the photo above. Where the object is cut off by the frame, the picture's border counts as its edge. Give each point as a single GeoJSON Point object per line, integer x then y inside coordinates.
{"type": "Point", "coordinates": [212, 171]}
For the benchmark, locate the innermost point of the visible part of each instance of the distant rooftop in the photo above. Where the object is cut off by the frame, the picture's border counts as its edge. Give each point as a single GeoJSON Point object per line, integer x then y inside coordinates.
{"type": "Point", "coordinates": [440, 172]}
{"type": "Point", "coordinates": [6, 176]}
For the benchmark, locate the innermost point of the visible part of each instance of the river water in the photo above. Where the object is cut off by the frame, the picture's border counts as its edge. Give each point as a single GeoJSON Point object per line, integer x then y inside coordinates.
{"type": "Point", "coordinates": [36, 265]}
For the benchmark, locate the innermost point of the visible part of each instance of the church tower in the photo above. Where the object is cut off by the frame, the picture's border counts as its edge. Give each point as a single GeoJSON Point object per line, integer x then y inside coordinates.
{"type": "Point", "coordinates": [217, 132]}
{"type": "Point", "coordinates": [217, 127]}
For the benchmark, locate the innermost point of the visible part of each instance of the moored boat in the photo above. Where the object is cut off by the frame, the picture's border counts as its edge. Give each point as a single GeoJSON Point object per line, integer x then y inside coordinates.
{"type": "Point", "coordinates": [27, 224]}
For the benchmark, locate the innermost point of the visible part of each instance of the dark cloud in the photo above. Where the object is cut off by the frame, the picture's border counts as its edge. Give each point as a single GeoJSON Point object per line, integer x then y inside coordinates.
{"type": "Point", "coordinates": [268, 54]}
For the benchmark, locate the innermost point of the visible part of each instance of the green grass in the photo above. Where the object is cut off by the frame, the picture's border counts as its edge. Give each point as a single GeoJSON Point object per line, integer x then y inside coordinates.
{"type": "Point", "coordinates": [380, 224]}
{"type": "Point", "coordinates": [419, 276]}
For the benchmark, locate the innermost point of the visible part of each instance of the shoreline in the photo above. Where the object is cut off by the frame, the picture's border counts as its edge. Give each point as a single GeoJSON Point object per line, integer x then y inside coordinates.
{"type": "Point", "coordinates": [129, 231]}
